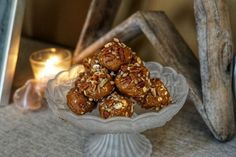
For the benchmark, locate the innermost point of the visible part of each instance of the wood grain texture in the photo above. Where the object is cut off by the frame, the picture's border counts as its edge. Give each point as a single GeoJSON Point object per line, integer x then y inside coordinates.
{"type": "Point", "coordinates": [98, 22]}
{"type": "Point", "coordinates": [216, 53]}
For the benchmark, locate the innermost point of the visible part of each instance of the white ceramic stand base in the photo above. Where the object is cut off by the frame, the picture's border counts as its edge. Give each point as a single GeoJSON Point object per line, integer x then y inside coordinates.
{"type": "Point", "coordinates": [118, 145]}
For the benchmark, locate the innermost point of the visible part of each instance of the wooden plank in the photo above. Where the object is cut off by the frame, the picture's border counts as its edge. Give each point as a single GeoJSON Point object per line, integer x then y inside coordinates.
{"type": "Point", "coordinates": [216, 53]}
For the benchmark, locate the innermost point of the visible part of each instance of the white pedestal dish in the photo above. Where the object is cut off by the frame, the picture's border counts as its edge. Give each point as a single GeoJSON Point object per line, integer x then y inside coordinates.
{"type": "Point", "coordinates": [118, 136]}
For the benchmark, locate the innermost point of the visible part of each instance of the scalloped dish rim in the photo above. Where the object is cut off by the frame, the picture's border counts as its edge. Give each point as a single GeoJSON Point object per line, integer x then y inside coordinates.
{"type": "Point", "coordinates": [123, 119]}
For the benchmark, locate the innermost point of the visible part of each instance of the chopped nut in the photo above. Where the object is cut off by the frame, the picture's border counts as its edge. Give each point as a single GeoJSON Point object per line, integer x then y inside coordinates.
{"type": "Point", "coordinates": [116, 40]}
{"type": "Point", "coordinates": [132, 109]}
{"type": "Point", "coordinates": [89, 60]}
{"type": "Point", "coordinates": [94, 88]}
{"type": "Point", "coordinates": [123, 45]}
{"type": "Point", "coordinates": [162, 88]}
{"type": "Point", "coordinates": [96, 66]}
{"type": "Point", "coordinates": [145, 89]}
{"type": "Point", "coordinates": [90, 99]}
{"type": "Point", "coordinates": [153, 91]}
{"type": "Point", "coordinates": [108, 109]}
{"type": "Point", "coordinates": [118, 105]}
{"type": "Point", "coordinates": [125, 74]}
{"type": "Point", "coordinates": [108, 44]}
{"type": "Point", "coordinates": [139, 60]}
{"type": "Point", "coordinates": [149, 81]}
{"type": "Point", "coordinates": [124, 103]}
{"type": "Point", "coordinates": [159, 99]}
{"type": "Point", "coordinates": [103, 82]}
{"type": "Point", "coordinates": [99, 91]}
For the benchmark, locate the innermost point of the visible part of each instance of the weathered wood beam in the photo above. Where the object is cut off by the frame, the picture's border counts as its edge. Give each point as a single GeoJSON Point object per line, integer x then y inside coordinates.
{"type": "Point", "coordinates": [215, 53]}
{"type": "Point", "coordinates": [98, 22]}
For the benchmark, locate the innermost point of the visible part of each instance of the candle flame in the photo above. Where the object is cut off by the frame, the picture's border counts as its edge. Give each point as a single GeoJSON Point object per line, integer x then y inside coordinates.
{"type": "Point", "coordinates": [52, 60]}
{"type": "Point", "coordinates": [50, 69]}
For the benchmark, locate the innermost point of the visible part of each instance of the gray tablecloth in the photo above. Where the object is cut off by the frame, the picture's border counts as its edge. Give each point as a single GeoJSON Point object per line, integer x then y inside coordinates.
{"type": "Point", "coordinates": [42, 134]}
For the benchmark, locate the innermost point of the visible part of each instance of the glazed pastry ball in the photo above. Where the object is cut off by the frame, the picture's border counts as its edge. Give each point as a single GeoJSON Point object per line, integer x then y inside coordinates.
{"type": "Point", "coordinates": [157, 97]}
{"type": "Point", "coordinates": [133, 80]}
{"type": "Point", "coordinates": [91, 64]}
{"type": "Point", "coordinates": [78, 103]}
{"type": "Point", "coordinates": [115, 105]}
{"type": "Point", "coordinates": [114, 54]}
{"type": "Point", "coordinates": [88, 62]}
{"type": "Point", "coordinates": [95, 85]}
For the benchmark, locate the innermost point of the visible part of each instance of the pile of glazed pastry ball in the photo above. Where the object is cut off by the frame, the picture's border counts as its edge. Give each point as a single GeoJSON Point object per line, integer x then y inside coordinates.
{"type": "Point", "coordinates": [113, 78]}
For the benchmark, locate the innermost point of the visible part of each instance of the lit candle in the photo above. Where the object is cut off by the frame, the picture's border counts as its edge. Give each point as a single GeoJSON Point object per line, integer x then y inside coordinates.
{"type": "Point", "coordinates": [48, 62]}
{"type": "Point", "coordinates": [45, 64]}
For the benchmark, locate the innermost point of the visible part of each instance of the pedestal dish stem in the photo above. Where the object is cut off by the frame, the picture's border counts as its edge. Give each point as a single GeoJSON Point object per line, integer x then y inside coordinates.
{"type": "Point", "coordinates": [118, 145]}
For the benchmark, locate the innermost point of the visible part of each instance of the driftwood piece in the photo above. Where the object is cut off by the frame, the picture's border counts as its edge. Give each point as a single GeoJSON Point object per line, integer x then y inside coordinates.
{"type": "Point", "coordinates": [174, 52]}
{"type": "Point", "coordinates": [216, 53]}
{"type": "Point", "coordinates": [98, 22]}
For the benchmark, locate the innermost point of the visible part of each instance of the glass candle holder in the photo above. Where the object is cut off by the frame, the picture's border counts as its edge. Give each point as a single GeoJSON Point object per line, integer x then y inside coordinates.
{"type": "Point", "coordinates": [45, 64]}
